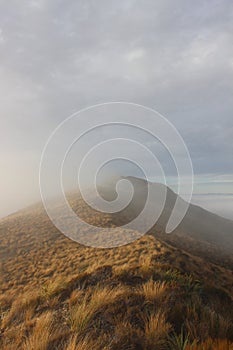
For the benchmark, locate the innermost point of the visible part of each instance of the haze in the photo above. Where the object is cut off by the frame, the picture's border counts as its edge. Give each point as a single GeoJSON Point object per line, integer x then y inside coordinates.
{"type": "Point", "coordinates": [175, 57]}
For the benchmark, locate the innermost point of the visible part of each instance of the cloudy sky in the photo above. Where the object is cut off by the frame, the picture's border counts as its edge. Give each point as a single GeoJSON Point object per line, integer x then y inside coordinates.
{"type": "Point", "coordinates": [57, 57]}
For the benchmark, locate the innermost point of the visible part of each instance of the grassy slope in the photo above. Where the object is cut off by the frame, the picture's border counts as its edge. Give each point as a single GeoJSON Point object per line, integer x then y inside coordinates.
{"type": "Point", "coordinates": [57, 294]}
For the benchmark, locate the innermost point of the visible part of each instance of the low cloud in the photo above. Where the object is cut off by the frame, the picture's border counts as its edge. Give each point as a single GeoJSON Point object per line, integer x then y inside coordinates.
{"type": "Point", "coordinates": [175, 57]}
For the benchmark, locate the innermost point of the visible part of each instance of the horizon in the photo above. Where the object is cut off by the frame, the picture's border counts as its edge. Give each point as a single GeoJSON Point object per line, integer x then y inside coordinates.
{"type": "Point", "coordinates": [203, 199]}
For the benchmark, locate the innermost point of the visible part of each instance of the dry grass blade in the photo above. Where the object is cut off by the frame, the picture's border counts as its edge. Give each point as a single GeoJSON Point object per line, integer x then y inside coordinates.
{"type": "Point", "coordinates": [153, 291]}
{"type": "Point", "coordinates": [82, 313]}
{"type": "Point", "coordinates": [84, 344]}
{"type": "Point", "coordinates": [156, 331]}
{"type": "Point", "coordinates": [41, 334]}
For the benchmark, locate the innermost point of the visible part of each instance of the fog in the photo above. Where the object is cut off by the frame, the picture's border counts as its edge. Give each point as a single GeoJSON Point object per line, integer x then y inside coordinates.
{"type": "Point", "coordinates": [175, 57]}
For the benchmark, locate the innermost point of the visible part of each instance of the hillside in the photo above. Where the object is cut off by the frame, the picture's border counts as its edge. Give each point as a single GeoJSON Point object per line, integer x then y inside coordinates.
{"type": "Point", "coordinates": [58, 294]}
{"type": "Point", "coordinates": [201, 232]}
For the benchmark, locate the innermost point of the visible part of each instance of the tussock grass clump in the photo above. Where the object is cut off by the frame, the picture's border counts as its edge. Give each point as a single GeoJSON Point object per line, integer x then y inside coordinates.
{"type": "Point", "coordinates": [41, 334]}
{"type": "Point", "coordinates": [211, 344]}
{"type": "Point", "coordinates": [84, 344]}
{"type": "Point", "coordinates": [53, 288]}
{"type": "Point", "coordinates": [156, 331]}
{"type": "Point", "coordinates": [84, 311]}
{"type": "Point", "coordinates": [153, 292]}
{"type": "Point", "coordinates": [21, 308]}
{"type": "Point", "coordinates": [179, 341]}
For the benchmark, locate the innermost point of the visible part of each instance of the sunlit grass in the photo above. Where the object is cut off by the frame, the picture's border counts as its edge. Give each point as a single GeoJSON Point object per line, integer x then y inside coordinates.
{"type": "Point", "coordinates": [59, 295]}
{"type": "Point", "coordinates": [156, 331]}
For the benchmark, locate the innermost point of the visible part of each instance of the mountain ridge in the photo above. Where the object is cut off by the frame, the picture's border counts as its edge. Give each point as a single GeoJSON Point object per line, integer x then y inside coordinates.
{"type": "Point", "coordinates": [57, 294]}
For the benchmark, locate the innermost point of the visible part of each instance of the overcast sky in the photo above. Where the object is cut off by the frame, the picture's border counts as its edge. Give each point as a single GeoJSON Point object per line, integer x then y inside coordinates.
{"type": "Point", "coordinates": [57, 57]}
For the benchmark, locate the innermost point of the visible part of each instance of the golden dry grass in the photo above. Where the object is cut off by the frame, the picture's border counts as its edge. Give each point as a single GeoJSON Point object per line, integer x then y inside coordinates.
{"type": "Point", "coordinates": [124, 311]}
{"type": "Point", "coordinates": [57, 294]}
{"type": "Point", "coordinates": [154, 292]}
{"type": "Point", "coordinates": [210, 344]}
{"type": "Point", "coordinates": [41, 334]}
{"type": "Point", "coordinates": [156, 331]}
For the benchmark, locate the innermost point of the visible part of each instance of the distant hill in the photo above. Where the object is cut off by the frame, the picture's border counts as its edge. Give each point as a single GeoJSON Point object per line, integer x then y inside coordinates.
{"type": "Point", "coordinates": [200, 232]}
